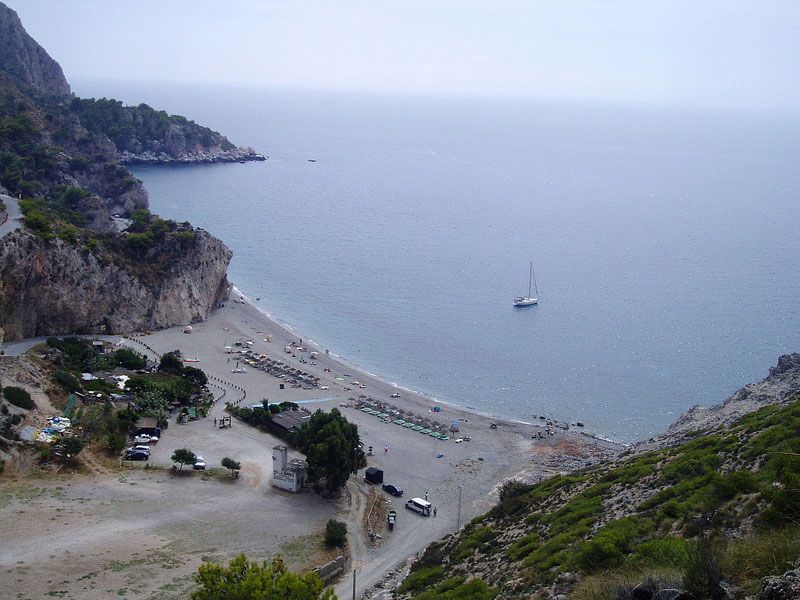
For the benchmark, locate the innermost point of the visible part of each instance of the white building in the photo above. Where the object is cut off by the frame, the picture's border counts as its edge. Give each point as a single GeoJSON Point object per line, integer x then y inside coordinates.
{"type": "Point", "coordinates": [287, 474]}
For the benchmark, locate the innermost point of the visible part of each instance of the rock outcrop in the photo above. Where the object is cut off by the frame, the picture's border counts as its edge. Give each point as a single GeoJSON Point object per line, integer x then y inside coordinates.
{"type": "Point", "coordinates": [25, 60]}
{"type": "Point", "coordinates": [52, 287]}
{"type": "Point", "coordinates": [782, 384]}
{"type": "Point", "coordinates": [781, 587]}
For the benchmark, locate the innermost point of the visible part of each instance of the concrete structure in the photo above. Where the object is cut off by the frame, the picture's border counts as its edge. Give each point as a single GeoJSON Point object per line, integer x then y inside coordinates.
{"type": "Point", "coordinates": [287, 474]}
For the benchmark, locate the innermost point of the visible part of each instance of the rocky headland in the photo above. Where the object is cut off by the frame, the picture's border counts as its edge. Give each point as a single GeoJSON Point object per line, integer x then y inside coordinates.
{"type": "Point", "coordinates": [70, 269]}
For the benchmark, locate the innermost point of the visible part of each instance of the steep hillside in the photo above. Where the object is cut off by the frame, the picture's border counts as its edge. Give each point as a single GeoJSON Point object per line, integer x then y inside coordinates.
{"type": "Point", "coordinates": [25, 60]}
{"type": "Point", "coordinates": [142, 134]}
{"type": "Point", "coordinates": [718, 510]}
{"type": "Point", "coordinates": [71, 269]}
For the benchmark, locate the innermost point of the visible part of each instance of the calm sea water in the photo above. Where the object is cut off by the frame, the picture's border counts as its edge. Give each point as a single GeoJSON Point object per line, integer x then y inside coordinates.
{"type": "Point", "coordinates": [665, 243]}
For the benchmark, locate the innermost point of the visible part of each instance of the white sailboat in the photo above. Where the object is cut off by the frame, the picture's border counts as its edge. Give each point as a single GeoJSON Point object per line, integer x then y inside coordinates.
{"type": "Point", "coordinates": [528, 300]}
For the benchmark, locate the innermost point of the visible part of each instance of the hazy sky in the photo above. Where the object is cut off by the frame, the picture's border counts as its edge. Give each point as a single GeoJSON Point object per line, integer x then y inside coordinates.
{"type": "Point", "coordinates": [742, 54]}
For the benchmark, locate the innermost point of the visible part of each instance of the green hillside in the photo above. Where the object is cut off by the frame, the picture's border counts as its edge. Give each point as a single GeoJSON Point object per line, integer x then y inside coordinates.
{"type": "Point", "coordinates": [720, 511]}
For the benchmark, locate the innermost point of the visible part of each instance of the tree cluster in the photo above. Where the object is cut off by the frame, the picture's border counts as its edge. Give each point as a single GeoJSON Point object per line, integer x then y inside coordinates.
{"type": "Point", "coordinates": [332, 448]}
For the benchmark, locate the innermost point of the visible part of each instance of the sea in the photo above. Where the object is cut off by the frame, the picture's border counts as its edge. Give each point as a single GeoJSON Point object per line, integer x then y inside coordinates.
{"type": "Point", "coordinates": [396, 230]}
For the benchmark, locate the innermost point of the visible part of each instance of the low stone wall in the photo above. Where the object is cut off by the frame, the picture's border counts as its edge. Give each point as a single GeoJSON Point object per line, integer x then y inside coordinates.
{"type": "Point", "coordinates": [334, 569]}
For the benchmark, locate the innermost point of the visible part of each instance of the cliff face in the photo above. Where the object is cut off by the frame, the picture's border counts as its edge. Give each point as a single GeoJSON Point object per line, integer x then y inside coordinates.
{"type": "Point", "coordinates": [71, 270]}
{"type": "Point", "coordinates": [52, 287]}
{"type": "Point", "coordinates": [25, 60]}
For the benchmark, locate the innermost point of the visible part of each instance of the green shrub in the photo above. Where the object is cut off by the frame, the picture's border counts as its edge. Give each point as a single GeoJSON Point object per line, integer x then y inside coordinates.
{"type": "Point", "coordinates": [703, 575]}
{"type": "Point", "coordinates": [661, 552]}
{"type": "Point", "coordinates": [128, 359]}
{"type": "Point", "coordinates": [523, 546]}
{"type": "Point", "coordinates": [68, 381]}
{"type": "Point", "coordinates": [18, 397]}
{"type": "Point", "coordinates": [473, 539]}
{"type": "Point", "coordinates": [458, 588]}
{"type": "Point", "coordinates": [422, 578]}
{"type": "Point", "coordinates": [335, 534]}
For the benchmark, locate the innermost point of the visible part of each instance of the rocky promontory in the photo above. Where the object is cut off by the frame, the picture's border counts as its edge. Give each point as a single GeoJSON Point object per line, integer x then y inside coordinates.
{"type": "Point", "coordinates": [52, 287]}
{"type": "Point", "coordinates": [195, 158]}
{"type": "Point", "coordinates": [70, 269]}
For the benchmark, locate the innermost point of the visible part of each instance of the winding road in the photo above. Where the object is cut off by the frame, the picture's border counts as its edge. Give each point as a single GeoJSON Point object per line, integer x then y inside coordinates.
{"type": "Point", "coordinates": [14, 220]}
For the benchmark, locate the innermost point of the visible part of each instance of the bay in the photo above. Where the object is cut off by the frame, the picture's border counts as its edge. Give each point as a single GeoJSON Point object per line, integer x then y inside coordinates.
{"type": "Point", "coordinates": [665, 242]}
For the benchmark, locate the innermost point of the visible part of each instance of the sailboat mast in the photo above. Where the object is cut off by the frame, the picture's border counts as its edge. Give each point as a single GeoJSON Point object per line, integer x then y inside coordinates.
{"type": "Point", "coordinates": [535, 287]}
{"type": "Point", "coordinates": [530, 275]}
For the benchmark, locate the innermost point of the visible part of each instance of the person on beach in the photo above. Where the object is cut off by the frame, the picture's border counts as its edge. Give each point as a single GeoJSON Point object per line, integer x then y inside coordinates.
{"type": "Point", "coordinates": [385, 449]}
{"type": "Point", "coordinates": [434, 511]}
{"type": "Point", "coordinates": [215, 421]}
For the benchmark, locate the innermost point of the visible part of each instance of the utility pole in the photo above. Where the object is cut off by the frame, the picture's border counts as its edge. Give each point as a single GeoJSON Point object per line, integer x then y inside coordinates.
{"type": "Point", "coordinates": [354, 584]}
{"type": "Point", "coordinates": [458, 514]}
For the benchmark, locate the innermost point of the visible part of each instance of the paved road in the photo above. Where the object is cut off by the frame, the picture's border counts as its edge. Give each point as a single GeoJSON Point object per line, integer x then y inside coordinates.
{"type": "Point", "coordinates": [22, 346]}
{"type": "Point", "coordinates": [14, 216]}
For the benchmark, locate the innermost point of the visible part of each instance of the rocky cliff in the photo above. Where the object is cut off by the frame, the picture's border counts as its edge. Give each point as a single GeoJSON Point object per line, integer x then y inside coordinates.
{"type": "Point", "coordinates": [25, 60]}
{"type": "Point", "coordinates": [70, 269]}
{"type": "Point", "coordinates": [54, 287]}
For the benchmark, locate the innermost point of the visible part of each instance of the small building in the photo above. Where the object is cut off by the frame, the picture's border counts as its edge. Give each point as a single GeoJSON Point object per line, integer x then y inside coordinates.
{"type": "Point", "coordinates": [290, 420]}
{"type": "Point", "coordinates": [289, 475]}
{"type": "Point", "coordinates": [98, 346]}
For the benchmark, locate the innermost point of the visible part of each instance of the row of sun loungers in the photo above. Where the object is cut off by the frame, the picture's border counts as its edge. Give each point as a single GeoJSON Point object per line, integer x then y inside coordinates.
{"type": "Point", "coordinates": [384, 416]}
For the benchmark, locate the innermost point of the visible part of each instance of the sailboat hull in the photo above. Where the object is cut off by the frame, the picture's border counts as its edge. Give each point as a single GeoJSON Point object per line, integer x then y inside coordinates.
{"type": "Point", "coordinates": [525, 301]}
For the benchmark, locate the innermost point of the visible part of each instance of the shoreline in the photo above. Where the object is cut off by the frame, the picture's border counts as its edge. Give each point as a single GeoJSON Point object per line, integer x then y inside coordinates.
{"type": "Point", "coordinates": [237, 296]}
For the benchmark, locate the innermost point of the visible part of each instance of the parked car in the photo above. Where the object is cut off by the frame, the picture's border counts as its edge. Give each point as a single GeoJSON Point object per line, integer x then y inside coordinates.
{"type": "Point", "coordinates": [136, 455]}
{"type": "Point", "coordinates": [141, 448]}
{"type": "Point", "coordinates": [199, 463]}
{"type": "Point", "coordinates": [392, 489]}
{"type": "Point", "coordinates": [145, 439]}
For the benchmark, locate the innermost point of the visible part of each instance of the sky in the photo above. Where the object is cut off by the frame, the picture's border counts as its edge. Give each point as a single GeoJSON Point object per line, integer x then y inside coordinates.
{"type": "Point", "coordinates": [729, 54]}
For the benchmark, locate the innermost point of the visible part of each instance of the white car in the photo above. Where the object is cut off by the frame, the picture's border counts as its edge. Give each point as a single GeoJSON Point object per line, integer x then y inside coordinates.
{"type": "Point", "coordinates": [199, 463]}
{"type": "Point", "coordinates": [324, 387]}
{"type": "Point", "coordinates": [143, 438]}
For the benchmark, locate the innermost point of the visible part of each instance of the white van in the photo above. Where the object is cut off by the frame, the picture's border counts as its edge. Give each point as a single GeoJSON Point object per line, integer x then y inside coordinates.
{"type": "Point", "coordinates": [419, 505]}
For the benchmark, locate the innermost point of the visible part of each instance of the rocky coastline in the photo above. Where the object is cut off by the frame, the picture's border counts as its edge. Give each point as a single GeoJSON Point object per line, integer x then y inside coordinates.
{"type": "Point", "coordinates": [195, 158]}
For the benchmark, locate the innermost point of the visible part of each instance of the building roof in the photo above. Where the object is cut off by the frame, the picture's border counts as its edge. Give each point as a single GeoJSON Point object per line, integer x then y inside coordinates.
{"type": "Point", "coordinates": [291, 419]}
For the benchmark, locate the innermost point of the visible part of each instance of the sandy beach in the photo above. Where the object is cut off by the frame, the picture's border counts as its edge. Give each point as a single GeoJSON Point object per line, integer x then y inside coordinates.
{"type": "Point", "coordinates": [493, 449]}
{"type": "Point", "coordinates": [141, 533]}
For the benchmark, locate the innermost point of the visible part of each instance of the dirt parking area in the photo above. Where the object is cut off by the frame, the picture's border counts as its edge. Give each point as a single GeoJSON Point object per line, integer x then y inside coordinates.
{"type": "Point", "coordinates": [136, 532]}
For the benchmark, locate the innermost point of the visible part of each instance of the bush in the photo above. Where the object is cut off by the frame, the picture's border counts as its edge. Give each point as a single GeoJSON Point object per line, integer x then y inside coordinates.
{"type": "Point", "coordinates": [18, 397]}
{"type": "Point", "coordinates": [662, 552]}
{"type": "Point", "coordinates": [230, 464]}
{"type": "Point", "coordinates": [171, 364]}
{"type": "Point", "coordinates": [114, 443]}
{"type": "Point", "coordinates": [335, 534]}
{"type": "Point", "coordinates": [68, 381]}
{"type": "Point", "coordinates": [512, 489]}
{"type": "Point", "coordinates": [128, 359]}
{"type": "Point", "coordinates": [182, 456]}
{"type": "Point", "coordinates": [703, 576]}
{"type": "Point", "coordinates": [421, 578]}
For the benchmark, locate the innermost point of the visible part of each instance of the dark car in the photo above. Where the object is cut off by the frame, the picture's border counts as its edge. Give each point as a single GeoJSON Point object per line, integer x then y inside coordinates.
{"type": "Point", "coordinates": [393, 490]}
{"type": "Point", "coordinates": [136, 455]}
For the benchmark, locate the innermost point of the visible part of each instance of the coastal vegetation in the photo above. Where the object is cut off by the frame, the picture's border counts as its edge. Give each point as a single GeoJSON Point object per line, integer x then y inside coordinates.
{"type": "Point", "coordinates": [722, 507]}
{"type": "Point", "coordinates": [141, 128]}
{"type": "Point", "coordinates": [331, 445]}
